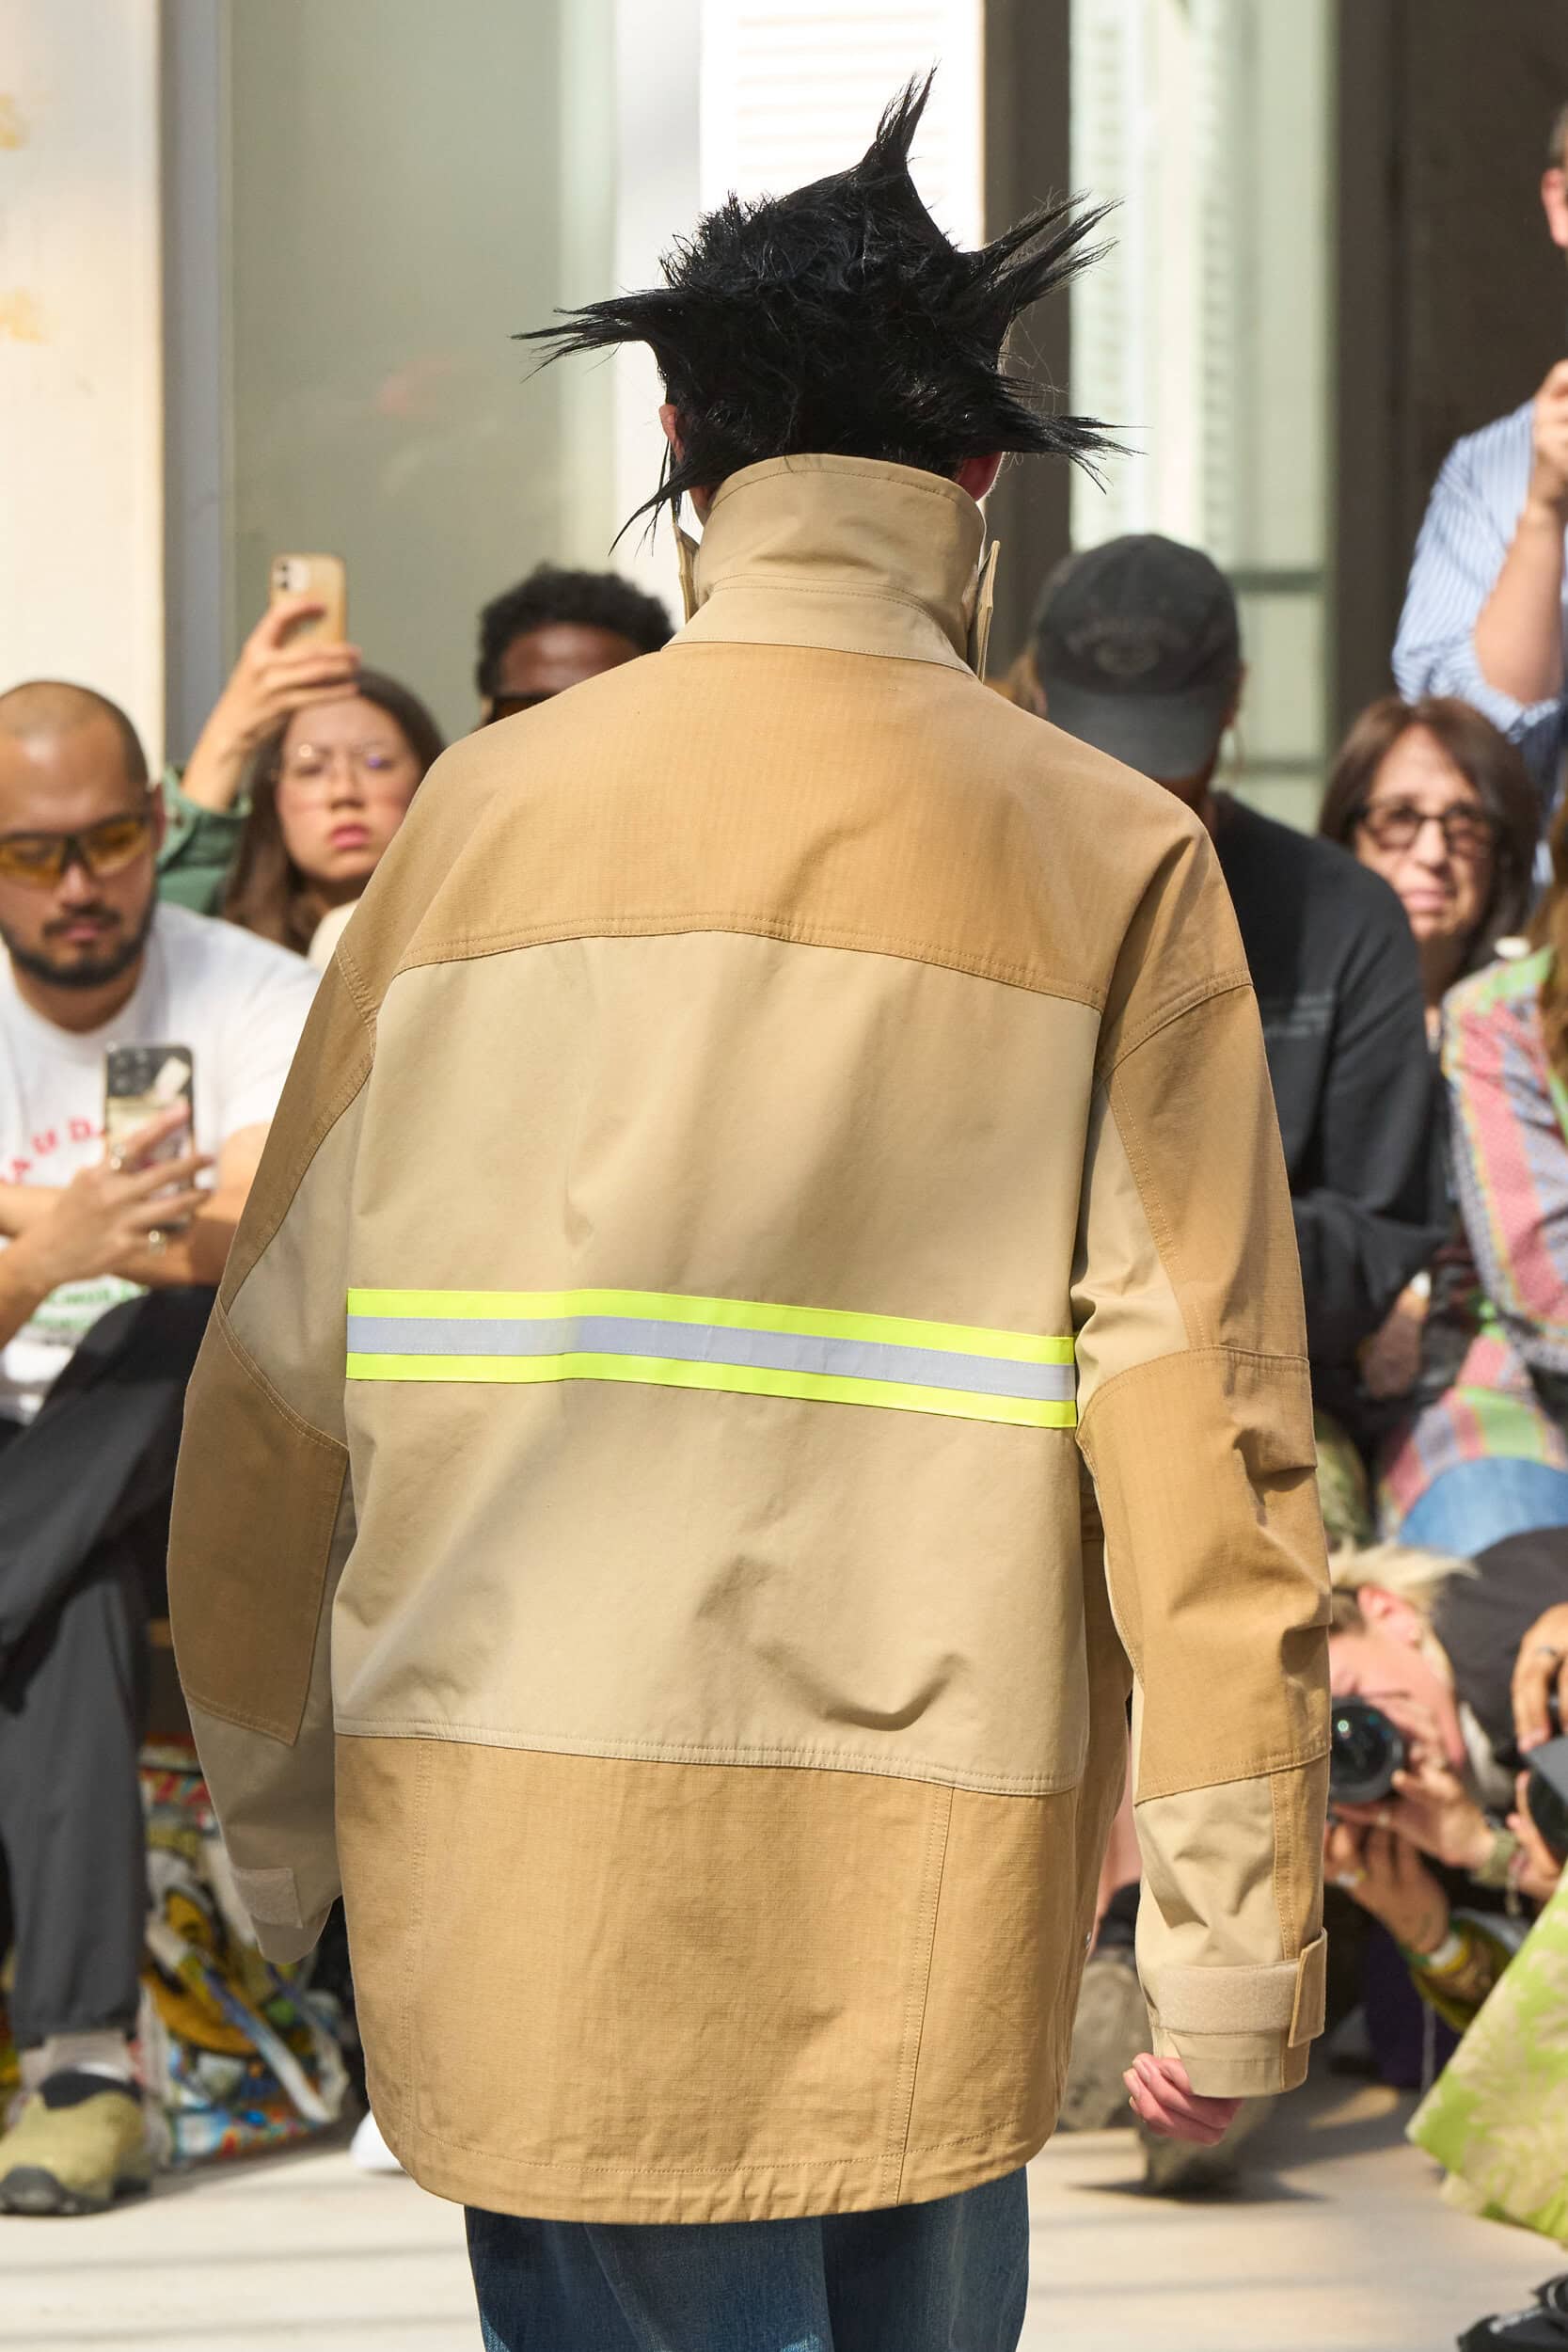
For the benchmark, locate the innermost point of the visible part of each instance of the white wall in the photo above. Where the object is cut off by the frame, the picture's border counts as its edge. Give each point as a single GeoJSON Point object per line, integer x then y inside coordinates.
{"type": "Point", "coordinates": [1206, 337]}
{"type": "Point", "coordinates": [657, 53]}
{"type": "Point", "coordinates": [81, 473]}
{"type": "Point", "coordinates": [720, 96]}
{"type": "Point", "coordinates": [408, 187]}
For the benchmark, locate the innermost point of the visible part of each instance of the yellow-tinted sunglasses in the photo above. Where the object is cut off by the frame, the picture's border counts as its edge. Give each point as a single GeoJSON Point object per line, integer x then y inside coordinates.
{"type": "Point", "coordinates": [40, 860]}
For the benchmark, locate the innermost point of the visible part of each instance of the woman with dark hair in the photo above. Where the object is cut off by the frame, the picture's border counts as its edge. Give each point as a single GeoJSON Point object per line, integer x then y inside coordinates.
{"type": "Point", "coordinates": [1432, 797]}
{"type": "Point", "coordinates": [326, 793]}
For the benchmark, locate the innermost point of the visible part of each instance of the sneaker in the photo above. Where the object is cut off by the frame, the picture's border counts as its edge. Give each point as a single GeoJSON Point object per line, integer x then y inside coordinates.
{"type": "Point", "coordinates": [79, 2142]}
{"type": "Point", "coordinates": [369, 2151]}
{"type": "Point", "coordinates": [1544, 2328]}
{"type": "Point", "coordinates": [1108, 2032]}
{"type": "Point", "coordinates": [1176, 2168]}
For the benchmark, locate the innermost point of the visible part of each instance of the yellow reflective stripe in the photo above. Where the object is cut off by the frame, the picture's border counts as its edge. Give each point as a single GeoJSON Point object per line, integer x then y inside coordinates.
{"type": "Point", "coordinates": [662, 1373]}
{"type": "Point", "coordinates": [738, 1314]}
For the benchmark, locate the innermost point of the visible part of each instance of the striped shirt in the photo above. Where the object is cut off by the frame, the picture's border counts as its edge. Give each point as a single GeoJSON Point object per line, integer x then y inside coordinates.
{"type": "Point", "coordinates": [1470, 521]}
{"type": "Point", "coordinates": [1510, 1139]}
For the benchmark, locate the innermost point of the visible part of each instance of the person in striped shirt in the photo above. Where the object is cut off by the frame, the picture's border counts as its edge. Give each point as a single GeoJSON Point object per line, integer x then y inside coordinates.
{"type": "Point", "coordinates": [1484, 611]}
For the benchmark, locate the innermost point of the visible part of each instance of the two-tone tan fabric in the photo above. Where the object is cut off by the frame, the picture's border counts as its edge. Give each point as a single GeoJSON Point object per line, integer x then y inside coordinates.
{"type": "Point", "coordinates": [633, 1532]}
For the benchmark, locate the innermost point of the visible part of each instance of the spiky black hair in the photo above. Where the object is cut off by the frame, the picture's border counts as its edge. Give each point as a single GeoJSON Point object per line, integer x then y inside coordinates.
{"type": "Point", "coordinates": [840, 318]}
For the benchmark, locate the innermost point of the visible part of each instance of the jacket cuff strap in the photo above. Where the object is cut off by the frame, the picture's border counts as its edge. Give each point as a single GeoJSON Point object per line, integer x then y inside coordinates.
{"type": "Point", "coordinates": [1285, 1999]}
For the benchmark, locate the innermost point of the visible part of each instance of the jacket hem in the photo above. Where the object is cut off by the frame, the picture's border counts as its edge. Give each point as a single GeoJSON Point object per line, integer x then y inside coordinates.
{"type": "Point", "coordinates": [776, 2191]}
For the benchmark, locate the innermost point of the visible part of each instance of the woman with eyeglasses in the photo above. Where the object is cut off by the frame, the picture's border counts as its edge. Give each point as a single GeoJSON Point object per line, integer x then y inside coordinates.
{"type": "Point", "coordinates": [1434, 798]}
{"type": "Point", "coordinates": [326, 794]}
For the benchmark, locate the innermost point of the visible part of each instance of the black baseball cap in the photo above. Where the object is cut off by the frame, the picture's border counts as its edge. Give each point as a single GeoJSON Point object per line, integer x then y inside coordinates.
{"type": "Point", "coordinates": [1138, 650]}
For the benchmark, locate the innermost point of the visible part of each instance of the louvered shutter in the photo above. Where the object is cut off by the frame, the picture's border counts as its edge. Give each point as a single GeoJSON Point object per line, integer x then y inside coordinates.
{"type": "Point", "coordinates": [792, 92]}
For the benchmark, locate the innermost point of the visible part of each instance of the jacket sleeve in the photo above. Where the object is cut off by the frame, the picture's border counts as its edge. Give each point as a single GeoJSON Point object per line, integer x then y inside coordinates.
{"type": "Point", "coordinates": [263, 1507]}
{"type": "Point", "coordinates": [1196, 1420]}
{"type": "Point", "coordinates": [199, 846]}
{"type": "Point", "coordinates": [1376, 1213]}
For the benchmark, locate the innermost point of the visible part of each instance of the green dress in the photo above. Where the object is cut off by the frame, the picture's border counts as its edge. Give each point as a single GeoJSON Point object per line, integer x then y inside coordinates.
{"type": "Point", "coordinates": [199, 849]}
{"type": "Point", "coordinates": [1496, 2117]}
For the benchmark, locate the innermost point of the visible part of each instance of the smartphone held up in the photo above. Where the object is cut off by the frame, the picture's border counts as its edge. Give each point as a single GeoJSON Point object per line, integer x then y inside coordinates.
{"type": "Point", "coordinates": [322, 577]}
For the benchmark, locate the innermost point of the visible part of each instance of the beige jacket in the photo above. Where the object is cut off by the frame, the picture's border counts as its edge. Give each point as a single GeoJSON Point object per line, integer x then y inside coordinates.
{"type": "Point", "coordinates": [777, 1115]}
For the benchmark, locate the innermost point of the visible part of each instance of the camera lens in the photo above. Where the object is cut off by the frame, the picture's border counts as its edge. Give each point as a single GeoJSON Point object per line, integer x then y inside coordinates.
{"type": "Point", "coordinates": [1367, 1750]}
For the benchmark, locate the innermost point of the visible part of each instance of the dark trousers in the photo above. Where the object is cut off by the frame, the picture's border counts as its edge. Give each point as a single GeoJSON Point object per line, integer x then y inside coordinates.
{"type": "Point", "coordinates": [925, 2277]}
{"type": "Point", "coordinates": [84, 1521]}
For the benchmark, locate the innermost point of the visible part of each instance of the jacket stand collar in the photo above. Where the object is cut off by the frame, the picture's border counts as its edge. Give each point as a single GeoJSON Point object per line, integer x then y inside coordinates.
{"type": "Point", "coordinates": [843, 553]}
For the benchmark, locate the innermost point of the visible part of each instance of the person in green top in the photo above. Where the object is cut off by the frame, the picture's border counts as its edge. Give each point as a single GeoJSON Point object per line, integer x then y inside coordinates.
{"type": "Point", "coordinates": [206, 806]}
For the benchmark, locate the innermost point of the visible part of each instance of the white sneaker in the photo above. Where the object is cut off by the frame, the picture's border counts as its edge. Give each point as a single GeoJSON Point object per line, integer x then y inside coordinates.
{"type": "Point", "coordinates": [369, 2151]}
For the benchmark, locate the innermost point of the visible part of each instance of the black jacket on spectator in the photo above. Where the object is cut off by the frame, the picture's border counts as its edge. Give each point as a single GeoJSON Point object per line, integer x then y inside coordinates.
{"type": "Point", "coordinates": [1340, 991]}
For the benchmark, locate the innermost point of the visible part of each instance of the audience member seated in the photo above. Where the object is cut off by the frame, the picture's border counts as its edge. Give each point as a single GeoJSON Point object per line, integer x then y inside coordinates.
{"type": "Point", "coordinates": [1137, 650]}
{"type": "Point", "coordinates": [273, 680]}
{"type": "Point", "coordinates": [1485, 1451]}
{"type": "Point", "coordinates": [106, 1276]}
{"type": "Point", "coordinates": [1432, 797]}
{"type": "Point", "coordinates": [1445, 1651]}
{"type": "Point", "coordinates": [556, 628]}
{"type": "Point", "coordinates": [323, 796]}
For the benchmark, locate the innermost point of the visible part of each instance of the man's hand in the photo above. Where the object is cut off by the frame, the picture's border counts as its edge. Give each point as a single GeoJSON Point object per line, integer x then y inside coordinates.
{"type": "Point", "coordinates": [1541, 1668]}
{"type": "Point", "coordinates": [1390, 1360]}
{"type": "Point", "coordinates": [1163, 2098]}
{"type": "Point", "coordinates": [102, 1218]}
{"type": "Point", "coordinates": [271, 680]}
{"type": "Point", "coordinates": [1549, 482]}
{"type": "Point", "coordinates": [1386, 1875]}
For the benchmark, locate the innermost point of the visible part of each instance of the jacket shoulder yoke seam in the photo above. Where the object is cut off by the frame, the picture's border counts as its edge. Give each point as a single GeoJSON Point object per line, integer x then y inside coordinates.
{"type": "Point", "coordinates": [1006, 972]}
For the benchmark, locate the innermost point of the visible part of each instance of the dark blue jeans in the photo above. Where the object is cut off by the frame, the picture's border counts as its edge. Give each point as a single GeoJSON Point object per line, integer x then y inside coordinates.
{"type": "Point", "coordinates": [948, 2276]}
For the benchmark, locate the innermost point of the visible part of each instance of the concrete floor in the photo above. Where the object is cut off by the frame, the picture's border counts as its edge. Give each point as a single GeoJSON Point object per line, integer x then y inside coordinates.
{"type": "Point", "coordinates": [1340, 2245]}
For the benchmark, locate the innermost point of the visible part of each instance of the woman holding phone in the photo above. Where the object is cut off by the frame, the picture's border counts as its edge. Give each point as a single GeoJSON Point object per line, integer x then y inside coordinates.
{"type": "Point", "coordinates": [325, 793]}
{"type": "Point", "coordinates": [280, 672]}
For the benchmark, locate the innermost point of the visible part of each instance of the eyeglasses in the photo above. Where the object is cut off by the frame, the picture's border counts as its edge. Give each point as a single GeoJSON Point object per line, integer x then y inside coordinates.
{"type": "Point", "coordinates": [38, 861]}
{"type": "Point", "coordinates": [1468, 832]}
{"type": "Point", "coordinates": [309, 767]}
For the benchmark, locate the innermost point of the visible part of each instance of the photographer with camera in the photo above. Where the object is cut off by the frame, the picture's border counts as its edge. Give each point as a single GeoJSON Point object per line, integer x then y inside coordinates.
{"type": "Point", "coordinates": [1450, 1689]}
{"type": "Point", "coordinates": [1449, 1781]}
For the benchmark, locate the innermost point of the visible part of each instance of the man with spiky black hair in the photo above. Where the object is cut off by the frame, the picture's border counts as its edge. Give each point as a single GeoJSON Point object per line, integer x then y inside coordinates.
{"type": "Point", "coordinates": [840, 320]}
{"type": "Point", "coordinates": [784, 1122]}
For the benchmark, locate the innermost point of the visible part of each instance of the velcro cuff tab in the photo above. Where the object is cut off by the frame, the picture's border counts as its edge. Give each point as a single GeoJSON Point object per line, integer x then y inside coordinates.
{"type": "Point", "coordinates": [1227, 2000]}
{"type": "Point", "coordinates": [1306, 2016]}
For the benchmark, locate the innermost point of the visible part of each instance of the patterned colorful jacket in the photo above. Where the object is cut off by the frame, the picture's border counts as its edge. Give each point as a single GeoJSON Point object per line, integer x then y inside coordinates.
{"type": "Point", "coordinates": [1505, 1330]}
{"type": "Point", "coordinates": [1511, 1152]}
{"type": "Point", "coordinates": [779, 1118]}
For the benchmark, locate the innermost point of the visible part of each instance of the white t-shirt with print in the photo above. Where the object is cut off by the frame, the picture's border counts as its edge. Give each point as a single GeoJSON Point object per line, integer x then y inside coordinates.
{"type": "Point", "coordinates": [238, 1001]}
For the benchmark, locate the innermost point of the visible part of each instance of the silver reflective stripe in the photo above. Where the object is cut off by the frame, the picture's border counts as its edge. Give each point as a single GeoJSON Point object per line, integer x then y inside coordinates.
{"type": "Point", "coordinates": [708, 1344]}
